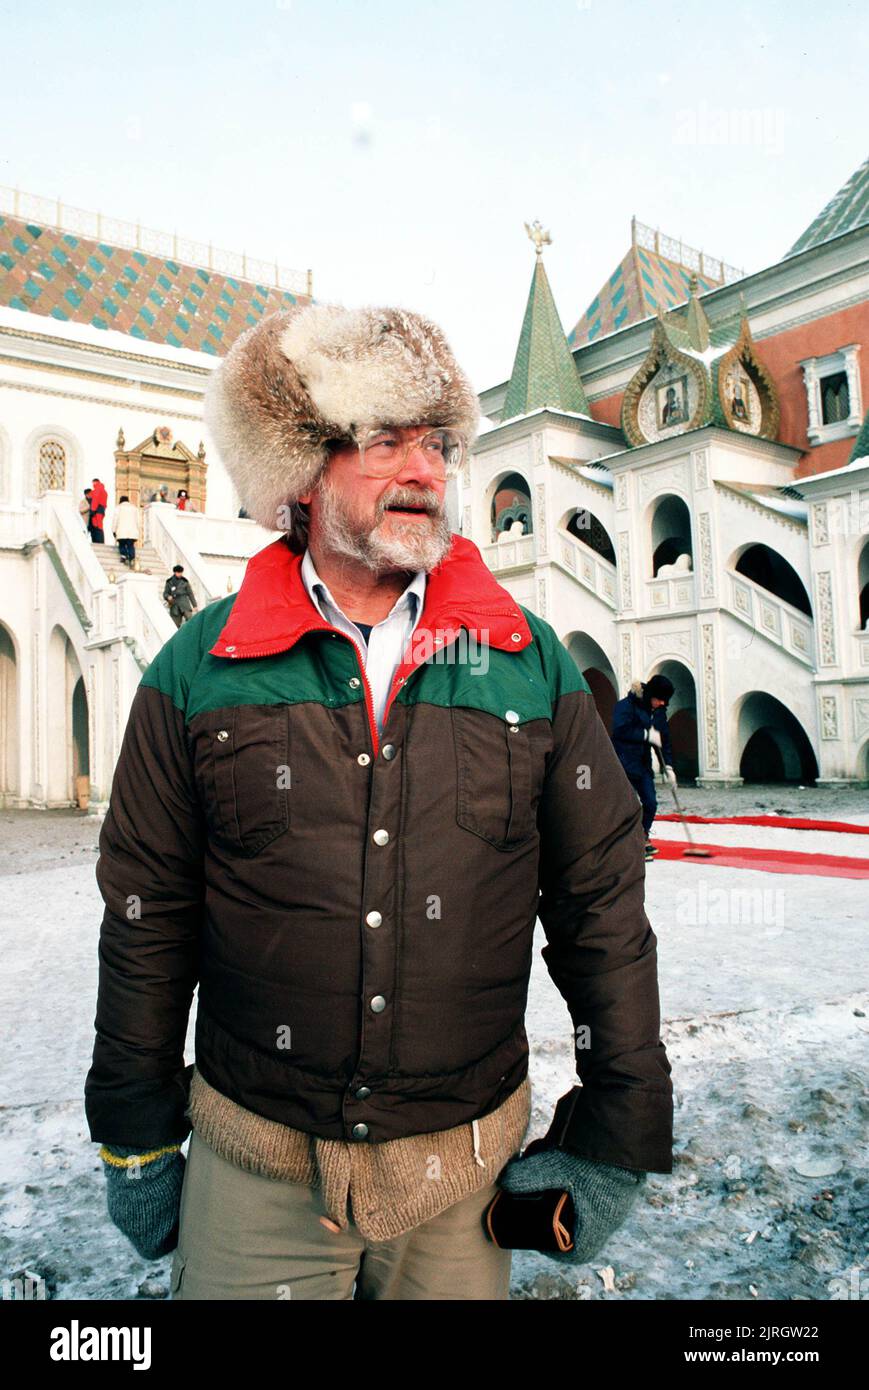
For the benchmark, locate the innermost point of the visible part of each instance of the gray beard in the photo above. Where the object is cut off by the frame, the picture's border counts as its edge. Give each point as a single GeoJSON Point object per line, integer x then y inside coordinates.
{"type": "Point", "coordinates": [414, 546]}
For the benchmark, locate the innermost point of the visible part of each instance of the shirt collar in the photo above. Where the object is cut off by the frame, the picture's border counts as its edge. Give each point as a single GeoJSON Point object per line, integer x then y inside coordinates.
{"type": "Point", "coordinates": [273, 610]}
{"type": "Point", "coordinates": [413, 596]}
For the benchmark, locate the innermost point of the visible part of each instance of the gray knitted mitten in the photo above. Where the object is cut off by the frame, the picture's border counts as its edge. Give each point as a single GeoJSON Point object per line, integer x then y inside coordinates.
{"type": "Point", "coordinates": [602, 1194]}
{"type": "Point", "coordinates": [144, 1195]}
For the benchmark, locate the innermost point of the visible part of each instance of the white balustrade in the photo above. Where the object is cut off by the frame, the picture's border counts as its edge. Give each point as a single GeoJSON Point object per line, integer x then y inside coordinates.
{"type": "Point", "coordinates": [772, 617]}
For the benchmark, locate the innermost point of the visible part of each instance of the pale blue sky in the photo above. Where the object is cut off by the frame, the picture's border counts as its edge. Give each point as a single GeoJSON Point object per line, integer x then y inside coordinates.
{"type": "Point", "coordinates": [398, 149]}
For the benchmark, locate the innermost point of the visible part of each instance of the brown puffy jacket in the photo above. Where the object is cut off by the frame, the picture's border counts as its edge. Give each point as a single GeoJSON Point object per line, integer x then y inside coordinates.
{"type": "Point", "coordinates": [358, 911]}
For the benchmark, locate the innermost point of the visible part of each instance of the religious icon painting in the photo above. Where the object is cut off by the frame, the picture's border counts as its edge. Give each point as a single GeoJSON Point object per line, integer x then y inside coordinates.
{"type": "Point", "coordinates": [672, 399]}
{"type": "Point", "coordinates": [738, 393]}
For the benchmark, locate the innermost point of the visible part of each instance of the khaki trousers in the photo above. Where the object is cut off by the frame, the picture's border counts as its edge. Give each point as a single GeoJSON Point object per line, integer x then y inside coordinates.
{"type": "Point", "coordinates": [244, 1236]}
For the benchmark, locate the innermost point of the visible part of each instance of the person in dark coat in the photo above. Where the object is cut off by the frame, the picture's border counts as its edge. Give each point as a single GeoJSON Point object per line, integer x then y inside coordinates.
{"type": "Point", "coordinates": [639, 725]}
{"type": "Point", "coordinates": [178, 596]}
{"type": "Point", "coordinates": [277, 895]}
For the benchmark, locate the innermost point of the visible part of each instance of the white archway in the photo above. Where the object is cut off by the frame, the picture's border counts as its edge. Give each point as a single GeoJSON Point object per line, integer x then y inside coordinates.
{"type": "Point", "coordinates": [773, 745]}
{"type": "Point", "coordinates": [591, 659]}
{"type": "Point", "coordinates": [66, 720]}
{"type": "Point", "coordinates": [10, 740]}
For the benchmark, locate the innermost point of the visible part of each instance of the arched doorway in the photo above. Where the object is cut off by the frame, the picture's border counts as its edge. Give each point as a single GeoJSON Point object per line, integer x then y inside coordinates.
{"type": "Point", "coordinates": [67, 722]}
{"type": "Point", "coordinates": [81, 764]}
{"type": "Point", "coordinates": [594, 664]}
{"type": "Point", "coordinates": [586, 527]}
{"type": "Point", "coordinates": [511, 506]}
{"type": "Point", "coordinates": [774, 574]}
{"type": "Point", "coordinates": [682, 720]}
{"type": "Point", "coordinates": [863, 587]}
{"type": "Point", "coordinates": [10, 778]}
{"type": "Point", "coordinates": [671, 532]}
{"type": "Point", "coordinates": [775, 747]}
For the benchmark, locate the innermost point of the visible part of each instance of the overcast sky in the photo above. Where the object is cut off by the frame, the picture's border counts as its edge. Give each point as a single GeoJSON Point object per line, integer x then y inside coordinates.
{"type": "Point", "coordinates": [397, 149]}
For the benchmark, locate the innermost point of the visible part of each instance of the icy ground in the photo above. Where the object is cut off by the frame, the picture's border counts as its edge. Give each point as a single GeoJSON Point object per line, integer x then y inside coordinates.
{"type": "Point", "coordinates": [764, 1004]}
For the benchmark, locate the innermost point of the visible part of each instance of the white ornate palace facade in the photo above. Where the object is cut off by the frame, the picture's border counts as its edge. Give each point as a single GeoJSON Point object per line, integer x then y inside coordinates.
{"type": "Point", "coordinates": [688, 493]}
{"type": "Point", "coordinates": [681, 486]}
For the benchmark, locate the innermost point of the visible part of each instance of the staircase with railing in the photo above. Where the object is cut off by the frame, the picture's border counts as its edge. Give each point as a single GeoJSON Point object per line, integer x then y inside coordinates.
{"type": "Point", "coordinates": [786, 627]}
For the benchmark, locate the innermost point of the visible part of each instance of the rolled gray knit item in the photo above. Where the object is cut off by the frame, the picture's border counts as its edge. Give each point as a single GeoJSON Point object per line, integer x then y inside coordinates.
{"type": "Point", "coordinates": [144, 1199]}
{"type": "Point", "coordinates": [602, 1193]}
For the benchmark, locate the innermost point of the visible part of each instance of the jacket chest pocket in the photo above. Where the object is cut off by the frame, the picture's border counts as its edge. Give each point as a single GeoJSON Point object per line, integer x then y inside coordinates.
{"type": "Point", "coordinates": [243, 774]}
{"type": "Point", "coordinates": [499, 769]}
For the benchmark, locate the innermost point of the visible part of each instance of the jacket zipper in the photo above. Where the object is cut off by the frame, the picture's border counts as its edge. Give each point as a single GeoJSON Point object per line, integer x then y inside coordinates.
{"type": "Point", "coordinates": [401, 680]}
{"type": "Point", "coordinates": [327, 627]}
{"type": "Point", "coordinates": [369, 699]}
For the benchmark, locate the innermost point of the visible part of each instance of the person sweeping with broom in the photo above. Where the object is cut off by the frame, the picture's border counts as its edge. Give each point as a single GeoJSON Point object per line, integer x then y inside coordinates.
{"type": "Point", "coordinates": [639, 725]}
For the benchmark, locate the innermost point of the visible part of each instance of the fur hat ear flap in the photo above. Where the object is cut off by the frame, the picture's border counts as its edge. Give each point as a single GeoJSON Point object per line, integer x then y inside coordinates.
{"type": "Point", "coordinates": [637, 689]}
{"type": "Point", "coordinates": [305, 376]}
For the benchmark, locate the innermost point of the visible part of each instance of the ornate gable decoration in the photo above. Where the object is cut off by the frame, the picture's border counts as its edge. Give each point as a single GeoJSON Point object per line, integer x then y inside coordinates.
{"type": "Point", "coordinates": [160, 461]}
{"type": "Point", "coordinates": [696, 375]}
{"type": "Point", "coordinates": [669, 393]}
{"type": "Point", "coordinates": [746, 397]}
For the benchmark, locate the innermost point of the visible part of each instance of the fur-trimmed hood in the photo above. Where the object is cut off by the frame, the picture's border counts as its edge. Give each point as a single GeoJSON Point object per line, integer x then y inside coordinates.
{"type": "Point", "coordinates": [304, 376]}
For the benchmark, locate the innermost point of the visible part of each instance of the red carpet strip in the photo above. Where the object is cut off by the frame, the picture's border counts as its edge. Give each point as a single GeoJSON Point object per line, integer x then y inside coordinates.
{"type": "Point", "coordinates": [781, 822]}
{"type": "Point", "coordinates": [772, 861]}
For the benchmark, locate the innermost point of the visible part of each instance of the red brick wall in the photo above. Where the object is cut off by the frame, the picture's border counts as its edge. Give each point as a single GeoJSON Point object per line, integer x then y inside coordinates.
{"type": "Point", "coordinates": [781, 356]}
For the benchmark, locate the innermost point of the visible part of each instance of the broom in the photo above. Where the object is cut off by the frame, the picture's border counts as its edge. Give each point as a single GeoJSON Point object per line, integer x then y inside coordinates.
{"type": "Point", "coordinates": [693, 851]}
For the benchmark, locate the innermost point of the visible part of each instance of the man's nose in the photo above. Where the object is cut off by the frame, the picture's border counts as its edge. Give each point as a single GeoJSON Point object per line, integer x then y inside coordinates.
{"type": "Point", "coordinates": [418, 464]}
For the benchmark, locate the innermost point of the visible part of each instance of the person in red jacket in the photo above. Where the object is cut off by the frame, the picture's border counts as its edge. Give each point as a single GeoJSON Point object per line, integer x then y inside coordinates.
{"type": "Point", "coordinates": [99, 502]}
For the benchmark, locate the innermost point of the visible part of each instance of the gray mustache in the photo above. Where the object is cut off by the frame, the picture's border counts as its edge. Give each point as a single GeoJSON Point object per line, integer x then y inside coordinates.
{"type": "Point", "coordinates": [424, 501]}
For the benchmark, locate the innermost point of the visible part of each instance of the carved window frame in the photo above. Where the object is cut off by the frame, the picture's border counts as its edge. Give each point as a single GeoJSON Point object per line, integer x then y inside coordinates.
{"type": "Point", "coordinates": [815, 372]}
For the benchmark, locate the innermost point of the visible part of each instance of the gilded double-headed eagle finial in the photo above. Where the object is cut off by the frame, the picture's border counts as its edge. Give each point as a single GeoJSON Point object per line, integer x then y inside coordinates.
{"type": "Point", "coordinates": [538, 236]}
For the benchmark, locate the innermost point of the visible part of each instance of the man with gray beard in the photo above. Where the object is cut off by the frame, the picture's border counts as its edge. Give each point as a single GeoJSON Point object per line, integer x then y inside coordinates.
{"type": "Point", "coordinates": [345, 843]}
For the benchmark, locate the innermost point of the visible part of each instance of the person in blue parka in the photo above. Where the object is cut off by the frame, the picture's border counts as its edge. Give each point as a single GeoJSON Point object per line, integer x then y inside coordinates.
{"type": "Point", "coordinates": [639, 725]}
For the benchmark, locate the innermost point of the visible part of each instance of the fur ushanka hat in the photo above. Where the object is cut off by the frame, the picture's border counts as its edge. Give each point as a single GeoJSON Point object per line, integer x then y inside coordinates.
{"type": "Point", "coordinates": [304, 376]}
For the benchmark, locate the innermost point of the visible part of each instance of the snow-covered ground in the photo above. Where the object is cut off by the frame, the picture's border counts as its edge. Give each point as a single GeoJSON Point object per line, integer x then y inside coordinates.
{"type": "Point", "coordinates": [764, 1005]}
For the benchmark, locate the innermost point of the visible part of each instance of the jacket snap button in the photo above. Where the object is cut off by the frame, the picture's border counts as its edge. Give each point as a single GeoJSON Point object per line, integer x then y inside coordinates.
{"type": "Point", "coordinates": [388, 751]}
{"type": "Point", "coordinates": [515, 636]}
{"type": "Point", "coordinates": [360, 1131]}
{"type": "Point", "coordinates": [363, 1093]}
{"type": "Point", "coordinates": [381, 837]}
{"type": "Point", "coordinates": [230, 649]}
{"type": "Point", "coordinates": [363, 760]}
{"type": "Point", "coordinates": [353, 682]}
{"type": "Point", "coordinates": [511, 716]}
{"type": "Point", "coordinates": [222, 735]}
{"type": "Point", "coordinates": [374, 919]}
{"type": "Point", "coordinates": [378, 1004]}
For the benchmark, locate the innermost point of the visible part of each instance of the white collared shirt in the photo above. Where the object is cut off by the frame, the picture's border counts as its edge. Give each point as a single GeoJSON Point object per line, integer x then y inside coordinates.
{"type": "Point", "coordinates": [387, 640]}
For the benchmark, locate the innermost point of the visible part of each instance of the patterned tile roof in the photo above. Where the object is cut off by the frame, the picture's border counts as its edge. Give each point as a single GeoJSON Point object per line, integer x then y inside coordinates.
{"type": "Point", "coordinates": [544, 372]}
{"type": "Point", "coordinates": [643, 282]}
{"type": "Point", "coordinates": [45, 270]}
{"type": "Point", "coordinates": [847, 210]}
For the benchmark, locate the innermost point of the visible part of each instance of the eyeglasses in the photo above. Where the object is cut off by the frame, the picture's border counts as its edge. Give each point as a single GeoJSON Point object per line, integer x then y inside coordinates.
{"type": "Point", "coordinates": [382, 454]}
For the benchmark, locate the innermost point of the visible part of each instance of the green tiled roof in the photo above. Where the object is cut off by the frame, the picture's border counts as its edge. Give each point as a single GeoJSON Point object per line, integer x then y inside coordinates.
{"type": "Point", "coordinates": [861, 443]}
{"type": "Point", "coordinates": [849, 209]}
{"type": "Point", "coordinates": [544, 372]}
{"type": "Point", "coordinates": [45, 270]}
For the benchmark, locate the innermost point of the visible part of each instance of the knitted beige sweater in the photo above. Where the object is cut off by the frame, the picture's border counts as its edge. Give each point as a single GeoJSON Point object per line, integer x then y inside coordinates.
{"type": "Point", "coordinates": [390, 1187]}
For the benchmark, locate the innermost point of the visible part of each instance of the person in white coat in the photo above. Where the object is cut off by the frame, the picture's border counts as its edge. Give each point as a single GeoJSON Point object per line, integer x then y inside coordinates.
{"type": "Point", "coordinates": [125, 525]}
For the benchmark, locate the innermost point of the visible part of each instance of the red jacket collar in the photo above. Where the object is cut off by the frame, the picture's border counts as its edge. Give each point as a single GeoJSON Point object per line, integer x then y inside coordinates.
{"type": "Point", "coordinates": [273, 608]}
